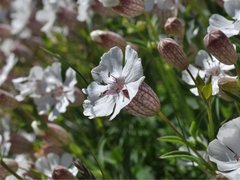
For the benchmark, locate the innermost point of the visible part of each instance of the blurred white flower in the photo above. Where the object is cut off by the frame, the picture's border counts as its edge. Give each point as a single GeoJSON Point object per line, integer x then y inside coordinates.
{"type": "Point", "coordinates": [47, 163]}
{"type": "Point", "coordinates": [84, 10]}
{"type": "Point", "coordinates": [20, 16]}
{"type": "Point", "coordinates": [225, 149]}
{"type": "Point", "coordinates": [4, 136]}
{"type": "Point", "coordinates": [24, 162]}
{"type": "Point", "coordinates": [47, 89]}
{"type": "Point", "coordinates": [210, 69]}
{"type": "Point", "coordinates": [114, 85]}
{"type": "Point", "coordinates": [48, 14]}
{"type": "Point", "coordinates": [10, 62]}
{"type": "Point", "coordinates": [229, 27]}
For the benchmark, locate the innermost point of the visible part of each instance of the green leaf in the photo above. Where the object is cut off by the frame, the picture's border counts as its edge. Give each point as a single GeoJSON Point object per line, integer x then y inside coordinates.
{"type": "Point", "coordinates": [172, 139]}
{"type": "Point", "coordinates": [207, 90]}
{"type": "Point", "coordinates": [180, 154]}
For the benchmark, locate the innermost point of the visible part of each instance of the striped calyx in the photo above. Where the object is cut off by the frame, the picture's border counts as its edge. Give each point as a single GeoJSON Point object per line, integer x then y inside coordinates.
{"type": "Point", "coordinates": [145, 103]}
{"type": "Point", "coordinates": [108, 39]}
{"type": "Point", "coordinates": [173, 53]}
{"type": "Point", "coordinates": [221, 47]}
{"type": "Point", "coordinates": [129, 8]}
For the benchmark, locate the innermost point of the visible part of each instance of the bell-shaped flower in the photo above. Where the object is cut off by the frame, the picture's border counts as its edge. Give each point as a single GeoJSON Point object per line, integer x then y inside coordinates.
{"type": "Point", "coordinates": [225, 149]}
{"type": "Point", "coordinates": [228, 27]}
{"type": "Point", "coordinates": [116, 83]}
{"type": "Point", "coordinates": [208, 69]}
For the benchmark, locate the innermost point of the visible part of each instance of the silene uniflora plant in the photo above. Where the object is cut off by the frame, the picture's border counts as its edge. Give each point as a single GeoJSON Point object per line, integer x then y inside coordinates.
{"type": "Point", "coordinates": [119, 89]}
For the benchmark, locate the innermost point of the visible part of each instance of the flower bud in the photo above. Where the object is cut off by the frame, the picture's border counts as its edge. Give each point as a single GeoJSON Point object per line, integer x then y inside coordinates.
{"type": "Point", "coordinates": [173, 53]}
{"type": "Point", "coordinates": [19, 144]}
{"type": "Point", "coordinates": [7, 100]}
{"type": "Point", "coordinates": [22, 51]}
{"type": "Point", "coordinates": [61, 172]}
{"type": "Point", "coordinates": [129, 8]}
{"type": "Point", "coordinates": [57, 135]}
{"type": "Point", "coordinates": [108, 39]}
{"type": "Point", "coordinates": [5, 31]}
{"type": "Point", "coordinates": [98, 8]}
{"type": "Point", "coordinates": [228, 86]}
{"type": "Point", "coordinates": [174, 26]}
{"type": "Point", "coordinates": [145, 103]}
{"type": "Point", "coordinates": [221, 47]}
{"type": "Point", "coordinates": [166, 9]}
{"type": "Point", "coordinates": [12, 164]}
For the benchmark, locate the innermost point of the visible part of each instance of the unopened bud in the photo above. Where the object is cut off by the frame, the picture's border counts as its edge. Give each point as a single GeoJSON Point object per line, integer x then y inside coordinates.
{"type": "Point", "coordinates": [145, 103]}
{"type": "Point", "coordinates": [11, 164]}
{"type": "Point", "coordinates": [7, 100]}
{"type": "Point", "coordinates": [174, 26]}
{"type": "Point", "coordinates": [61, 172]}
{"type": "Point", "coordinates": [98, 8]}
{"type": "Point", "coordinates": [221, 47]}
{"type": "Point", "coordinates": [22, 51]}
{"type": "Point", "coordinates": [57, 135]}
{"type": "Point", "coordinates": [166, 9]}
{"type": "Point", "coordinates": [19, 144]}
{"type": "Point", "coordinates": [173, 53]}
{"type": "Point", "coordinates": [228, 88]}
{"type": "Point", "coordinates": [5, 31]}
{"type": "Point", "coordinates": [129, 8]}
{"type": "Point", "coordinates": [108, 39]}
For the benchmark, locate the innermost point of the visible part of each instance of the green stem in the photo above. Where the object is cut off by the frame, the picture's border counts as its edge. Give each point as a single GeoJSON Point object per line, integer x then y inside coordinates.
{"type": "Point", "coordinates": [209, 169]}
{"type": "Point", "coordinates": [211, 131]}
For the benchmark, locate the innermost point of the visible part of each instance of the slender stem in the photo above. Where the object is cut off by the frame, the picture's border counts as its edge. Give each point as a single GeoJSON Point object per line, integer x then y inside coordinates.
{"type": "Point", "coordinates": [208, 107]}
{"type": "Point", "coordinates": [5, 166]}
{"type": "Point", "coordinates": [166, 120]}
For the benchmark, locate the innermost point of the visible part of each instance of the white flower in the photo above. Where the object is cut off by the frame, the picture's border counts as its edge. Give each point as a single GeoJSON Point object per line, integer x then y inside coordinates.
{"type": "Point", "coordinates": [210, 69]}
{"type": "Point", "coordinates": [10, 62]}
{"type": "Point", "coordinates": [229, 27]}
{"type": "Point", "coordinates": [225, 149]}
{"type": "Point", "coordinates": [47, 163]}
{"type": "Point", "coordinates": [57, 93]}
{"type": "Point", "coordinates": [47, 89]}
{"type": "Point", "coordinates": [84, 10]}
{"type": "Point", "coordinates": [24, 162]}
{"type": "Point", "coordinates": [48, 14]}
{"type": "Point", "coordinates": [114, 85]}
{"type": "Point", "coordinates": [20, 16]}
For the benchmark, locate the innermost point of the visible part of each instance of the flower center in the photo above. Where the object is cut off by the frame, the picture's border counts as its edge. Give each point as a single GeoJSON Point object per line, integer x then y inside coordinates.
{"type": "Point", "coordinates": [58, 92]}
{"type": "Point", "coordinates": [115, 87]}
{"type": "Point", "coordinates": [214, 71]}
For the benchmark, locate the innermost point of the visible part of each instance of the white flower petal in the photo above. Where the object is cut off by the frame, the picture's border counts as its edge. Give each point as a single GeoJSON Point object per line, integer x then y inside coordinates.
{"type": "Point", "coordinates": [218, 22]}
{"type": "Point", "coordinates": [11, 61]}
{"type": "Point", "coordinates": [70, 80]}
{"type": "Point", "coordinates": [102, 107]}
{"type": "Point", "coordinates": [222, 156]}
{"type": "Point", "coordinates": [148, 5]}
{"type": "Point", "coordinates": [66, 160]}
{"type": "Point", "coordinates": [132, 70]}
{"type": "Point", "coordinates": [43, 165]}
{"type": "Point", "coordinates": [187, 78]}
{"type": "Point", "coordinates": [202, 59]}
{"type": "Point", "coordinates": [229, 135]}
{"type": "Point", "coordinates": [232, 7]}
{"type": "Point", "coordinates": [109, 67]}
{"type": "Point", "coordinates": [194, 91]}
